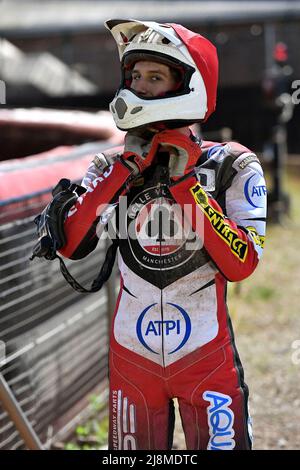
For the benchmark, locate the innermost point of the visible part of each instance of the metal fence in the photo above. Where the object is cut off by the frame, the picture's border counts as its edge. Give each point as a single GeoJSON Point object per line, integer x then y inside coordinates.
{"type": "Point", "coordinates": [56, 340]}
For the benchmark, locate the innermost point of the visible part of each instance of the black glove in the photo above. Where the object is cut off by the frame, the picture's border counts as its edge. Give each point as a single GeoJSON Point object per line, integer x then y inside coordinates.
{"type": "Point", "coordinates": [50, 223]}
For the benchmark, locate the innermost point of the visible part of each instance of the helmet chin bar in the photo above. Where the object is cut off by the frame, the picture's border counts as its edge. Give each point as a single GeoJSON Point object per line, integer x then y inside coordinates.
{"type": "Point", "coordinates": [120, 109]}
{"type": "Point", "coordinates": [174, 110]}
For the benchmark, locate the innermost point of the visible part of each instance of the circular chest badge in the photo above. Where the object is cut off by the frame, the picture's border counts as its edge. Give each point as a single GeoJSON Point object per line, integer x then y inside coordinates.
{"type": "Point", "coordinates": [158, 232]}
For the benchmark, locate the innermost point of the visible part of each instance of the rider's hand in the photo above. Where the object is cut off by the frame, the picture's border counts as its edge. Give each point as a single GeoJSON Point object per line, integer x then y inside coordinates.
{"type": "Point", "coordinates": [184, 152]}
{"type": "Point", "coordinates": [140, 150]}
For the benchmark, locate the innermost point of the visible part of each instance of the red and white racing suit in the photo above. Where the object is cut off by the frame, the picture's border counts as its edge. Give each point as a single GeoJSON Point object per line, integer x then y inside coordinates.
{"type": "Point", "coordinates": [172, 335]}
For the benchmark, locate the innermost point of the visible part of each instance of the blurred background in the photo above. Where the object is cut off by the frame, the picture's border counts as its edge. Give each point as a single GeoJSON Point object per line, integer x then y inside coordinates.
{"type": "Point", "coordinates": [59, 70]}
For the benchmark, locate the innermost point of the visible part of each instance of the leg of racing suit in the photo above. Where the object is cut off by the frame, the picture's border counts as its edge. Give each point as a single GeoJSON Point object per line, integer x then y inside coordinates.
{"type": "Point", "coordinates": [214, 408]}
{"type": "Point", "coordinates": [142, 415]}
{"type": "Point", "coordinates": [208, 383]}
{"type": "Point", "coordinates": [141, 411]}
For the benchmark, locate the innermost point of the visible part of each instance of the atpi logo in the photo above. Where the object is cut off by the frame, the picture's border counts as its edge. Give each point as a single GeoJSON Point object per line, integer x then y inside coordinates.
{"type": "Point", "coordinates": [175, 328]}
{"type": "Point", "coordinates": [255, 193]}
{"type": "Point", "coordinates": [220, 421]}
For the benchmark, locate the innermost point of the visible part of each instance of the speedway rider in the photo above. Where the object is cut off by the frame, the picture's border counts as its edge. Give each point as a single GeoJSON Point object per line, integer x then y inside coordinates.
{"type": "Point", "coordinates": [195, 218]}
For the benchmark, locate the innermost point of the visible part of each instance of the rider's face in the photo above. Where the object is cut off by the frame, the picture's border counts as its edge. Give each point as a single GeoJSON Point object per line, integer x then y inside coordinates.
{"type": "Point", "coordinates": [151, 79]}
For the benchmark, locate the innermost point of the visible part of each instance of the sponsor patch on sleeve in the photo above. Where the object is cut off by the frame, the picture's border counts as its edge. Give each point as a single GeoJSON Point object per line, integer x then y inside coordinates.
{"type": "Point", "coordinates": [258, 239]}
{"type": "Point", "coordinates": [248, 159]}
{"type": "Point", "coordinates": [218, 222]}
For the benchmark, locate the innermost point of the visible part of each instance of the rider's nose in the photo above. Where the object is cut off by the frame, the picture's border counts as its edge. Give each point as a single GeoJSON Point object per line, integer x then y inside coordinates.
{"type": "Point", "coordinates": [141, 88]}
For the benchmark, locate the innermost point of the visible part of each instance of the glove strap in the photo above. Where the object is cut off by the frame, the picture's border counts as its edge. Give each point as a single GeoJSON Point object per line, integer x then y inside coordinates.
{"type": "Point", "coordinates": [102, 277]}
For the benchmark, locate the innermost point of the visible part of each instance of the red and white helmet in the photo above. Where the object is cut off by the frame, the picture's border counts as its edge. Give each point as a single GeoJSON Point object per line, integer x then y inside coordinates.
{"type": "Point", "coordinates": [176, 46]}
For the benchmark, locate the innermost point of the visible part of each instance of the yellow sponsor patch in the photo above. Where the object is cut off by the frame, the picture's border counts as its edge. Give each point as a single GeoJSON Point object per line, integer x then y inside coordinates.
{"type": "Point", "coordinates": [218, 222]}
{"type": "Point", "coordinates": [258, 239]}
